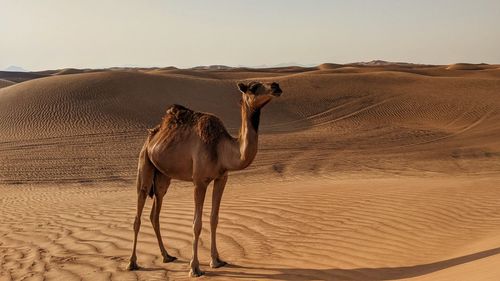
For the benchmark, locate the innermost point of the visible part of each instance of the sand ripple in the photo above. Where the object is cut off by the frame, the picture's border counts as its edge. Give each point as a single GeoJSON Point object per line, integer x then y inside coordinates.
{"type": "Point", "coordinates": [348, 230]}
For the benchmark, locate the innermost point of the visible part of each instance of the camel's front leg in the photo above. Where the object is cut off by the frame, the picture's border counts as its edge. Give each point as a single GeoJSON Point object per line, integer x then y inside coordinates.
{"type": "Point", "coordinates": [199, 197]}
{"type": "Point", "coordinates": [219, 186]}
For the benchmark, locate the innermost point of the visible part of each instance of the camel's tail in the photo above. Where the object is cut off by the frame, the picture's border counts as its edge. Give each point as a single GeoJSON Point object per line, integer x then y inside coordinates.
{"type": "Point", "coordinates": [146, 175]}
{"type": "Point", "coordinates": [152, 190]}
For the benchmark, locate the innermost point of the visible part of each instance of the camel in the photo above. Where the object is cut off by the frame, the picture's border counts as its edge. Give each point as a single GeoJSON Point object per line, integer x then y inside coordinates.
{"type": "Point", "coordinates": [195, 146]}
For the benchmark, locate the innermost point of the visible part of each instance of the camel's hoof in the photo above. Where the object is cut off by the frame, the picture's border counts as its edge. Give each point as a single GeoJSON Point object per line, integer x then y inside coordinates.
{"type": "Point", "coordinates": [196, 272]}
{"type": "Point", "coordinates": [132, 266]}
{"type": "Point", "coordinates": [216, 263]}
{"type": "Point", "coordinates": [169, 258]}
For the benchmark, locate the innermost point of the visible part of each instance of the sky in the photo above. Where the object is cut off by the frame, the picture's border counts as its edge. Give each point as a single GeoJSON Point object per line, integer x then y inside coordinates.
{"type": "Point", "coordinates": [52, 34]}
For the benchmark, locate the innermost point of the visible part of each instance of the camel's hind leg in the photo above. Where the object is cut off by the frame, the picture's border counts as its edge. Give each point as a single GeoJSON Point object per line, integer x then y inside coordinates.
{"type": "Point", "coordinates": [145, 176]}
{"type": "Point", "coordinates": [162, 183]}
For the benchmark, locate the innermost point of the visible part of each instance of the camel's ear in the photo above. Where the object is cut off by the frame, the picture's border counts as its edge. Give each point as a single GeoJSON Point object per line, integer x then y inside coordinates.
{"type": "Point", "coordinates": [243, 87]}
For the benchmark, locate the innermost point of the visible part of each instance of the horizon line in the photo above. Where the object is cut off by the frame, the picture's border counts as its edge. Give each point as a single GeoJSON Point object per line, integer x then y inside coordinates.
{"type": "Point", "coordinates": [376, 62]}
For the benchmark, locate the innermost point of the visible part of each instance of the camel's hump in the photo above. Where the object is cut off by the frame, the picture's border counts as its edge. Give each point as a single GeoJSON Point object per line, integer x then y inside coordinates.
{"type": "Point", "coordinates": [180, 115]}
{"type": "Point", "coordinates": [207, 126]}
{"type": "Point", "coordinates": [177, 107]}
{"type": "Point", "coordinates": [154, 130]}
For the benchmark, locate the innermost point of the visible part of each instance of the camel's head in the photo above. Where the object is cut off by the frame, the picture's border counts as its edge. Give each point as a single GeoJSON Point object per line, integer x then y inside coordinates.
{"type": "Point", "coordinates": [257, 94]}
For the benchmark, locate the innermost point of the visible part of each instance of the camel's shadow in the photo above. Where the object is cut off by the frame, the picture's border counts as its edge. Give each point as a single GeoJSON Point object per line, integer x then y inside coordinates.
{"type": "Point", "coordinates": [384, 273]}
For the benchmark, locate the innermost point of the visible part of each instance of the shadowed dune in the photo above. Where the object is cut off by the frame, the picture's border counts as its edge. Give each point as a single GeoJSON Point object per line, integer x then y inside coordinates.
{"type": "Point", "coordinates": [6, 83]}
{"type": "Point", "coordinates": [364, 172]}
{"type": "Point", "coordinates": [19, 76]}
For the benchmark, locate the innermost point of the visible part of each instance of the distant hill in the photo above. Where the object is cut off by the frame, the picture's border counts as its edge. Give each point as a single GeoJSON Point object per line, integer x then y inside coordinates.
{"type": "Point", "coordinates": [15, 69]}
{"type": "Point", "coordinates": [212, 67]}
{"type": "Point", "coordinates": [383, 63]}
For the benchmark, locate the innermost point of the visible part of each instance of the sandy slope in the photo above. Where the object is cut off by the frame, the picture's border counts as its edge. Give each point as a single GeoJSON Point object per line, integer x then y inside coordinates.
{"type": "Point", "coordinates": [363, 173]}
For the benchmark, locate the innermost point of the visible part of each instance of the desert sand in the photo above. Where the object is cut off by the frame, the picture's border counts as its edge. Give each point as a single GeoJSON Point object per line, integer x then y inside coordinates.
{"type": "Point", "coordinates": [364, 172]}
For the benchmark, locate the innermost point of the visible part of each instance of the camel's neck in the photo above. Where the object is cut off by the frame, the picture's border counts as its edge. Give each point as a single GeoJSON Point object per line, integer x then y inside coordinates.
{"type": "Point", "coordinates": [245, 146]}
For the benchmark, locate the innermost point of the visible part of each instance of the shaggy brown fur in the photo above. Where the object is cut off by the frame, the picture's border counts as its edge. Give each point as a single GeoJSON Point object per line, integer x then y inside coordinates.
{"type": "Point", "coordinates": [179, 120]}
{"type": "Point", "coordinates": [208, 127]}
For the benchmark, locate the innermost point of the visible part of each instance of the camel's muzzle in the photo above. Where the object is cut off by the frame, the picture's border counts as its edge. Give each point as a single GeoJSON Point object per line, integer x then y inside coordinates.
{"type": "Point", "coordinates": [276, 89]}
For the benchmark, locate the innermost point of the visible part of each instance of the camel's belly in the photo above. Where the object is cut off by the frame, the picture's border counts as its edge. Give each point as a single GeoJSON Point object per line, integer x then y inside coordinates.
{"type": "Point", "coordinates": [176, 168]}
{"type": "Point", "coordinates": [172, 161]}
{"type": "Point", "coordinates": [183, 160]}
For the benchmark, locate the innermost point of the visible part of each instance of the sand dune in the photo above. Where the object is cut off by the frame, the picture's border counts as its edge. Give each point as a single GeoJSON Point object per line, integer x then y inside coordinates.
{"type": "Point", "coordinates": [466, 66]}
{"type": "Point", "coordinates": [328, 66]}
{"type": "Point", "coordinates": [366, 172]}
{"type": "Point", "coordinates": [75, 71]}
